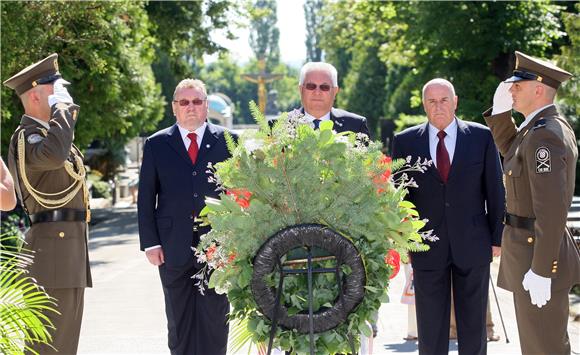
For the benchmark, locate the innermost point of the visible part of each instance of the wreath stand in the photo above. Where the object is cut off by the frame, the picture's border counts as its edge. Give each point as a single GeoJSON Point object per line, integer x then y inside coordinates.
{"type": "Point", "coordinates": [304, 244]}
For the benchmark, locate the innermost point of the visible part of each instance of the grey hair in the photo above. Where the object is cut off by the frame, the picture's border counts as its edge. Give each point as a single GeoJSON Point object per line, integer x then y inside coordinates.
{"type": "Point", "coordinates": [319, 66]}
{"type": "Point", "coordinates": [190, 83]}
{"type": "Point", "coordinates": [438, 81]}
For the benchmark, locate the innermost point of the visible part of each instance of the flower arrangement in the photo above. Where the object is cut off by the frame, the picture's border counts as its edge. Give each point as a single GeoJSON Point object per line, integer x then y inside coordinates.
{"type": "Point", "coordinates": [291, 174]}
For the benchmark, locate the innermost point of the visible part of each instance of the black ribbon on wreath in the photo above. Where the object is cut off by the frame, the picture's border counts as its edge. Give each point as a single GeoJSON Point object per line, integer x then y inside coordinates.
{"type": "Point", "coordinates": [313, 242]}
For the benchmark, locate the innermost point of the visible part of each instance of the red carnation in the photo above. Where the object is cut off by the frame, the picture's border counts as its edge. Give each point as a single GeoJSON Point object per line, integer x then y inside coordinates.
{"type": "Point", "coordinates": [393, 259]}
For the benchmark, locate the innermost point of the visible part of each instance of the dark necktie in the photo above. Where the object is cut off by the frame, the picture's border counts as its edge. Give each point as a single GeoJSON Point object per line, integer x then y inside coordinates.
{"type": "Point", "coordinates": [316, 124]}
{"type": "Point", "coordinates": [443, 163]}
{"type": "Point", "coordinates": [193, 148]}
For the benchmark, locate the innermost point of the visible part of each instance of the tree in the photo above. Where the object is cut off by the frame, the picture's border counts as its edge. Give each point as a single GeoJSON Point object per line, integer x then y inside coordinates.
{"type": "Point", "coordinates": [264, 33]}
{"type": "Point", "coordinates": [105, 50]}
{"type": "Point", "coordinates": [312, 14]}
{"type": "Point", "coordinates": [183, 29]}
{"type": "Point", "coordinates": [474, 50]}
{"type": "Point", "coordinates": [569, 94]}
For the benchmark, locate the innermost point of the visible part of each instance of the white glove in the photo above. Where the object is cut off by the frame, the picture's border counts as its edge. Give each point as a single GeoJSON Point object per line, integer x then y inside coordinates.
{"type": "Point", "coordinates": [60, 93]}
{"type": "Point", "coordinates": [502, 99]}
{"type": "Point", "coordinates": [539, 287]}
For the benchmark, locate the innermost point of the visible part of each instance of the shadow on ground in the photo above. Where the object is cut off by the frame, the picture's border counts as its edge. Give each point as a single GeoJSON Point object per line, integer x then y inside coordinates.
{"type": "Point", "coordinates": [411, 347]}
{"type": "Point", "coordinates": [112, 226]}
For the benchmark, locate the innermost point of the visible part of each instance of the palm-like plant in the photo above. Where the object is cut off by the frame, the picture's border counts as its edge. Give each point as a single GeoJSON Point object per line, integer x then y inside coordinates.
{"type": "Point", "coordinates": [23, 303]}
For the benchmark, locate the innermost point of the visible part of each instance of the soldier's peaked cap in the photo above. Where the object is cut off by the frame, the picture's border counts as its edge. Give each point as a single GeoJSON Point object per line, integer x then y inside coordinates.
{"type": "Point", "coordinates": [42, 72]}
{"type": "Point", "coordinates": [530, 68]}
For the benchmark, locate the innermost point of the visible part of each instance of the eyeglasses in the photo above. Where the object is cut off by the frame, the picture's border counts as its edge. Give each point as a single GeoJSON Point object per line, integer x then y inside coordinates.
{"type": "Point", "coordinates": [185, 102]}
{"type": "Point", "coordinates": [527, 75]}
{"type": "Point", "coordinates": [312, 87]}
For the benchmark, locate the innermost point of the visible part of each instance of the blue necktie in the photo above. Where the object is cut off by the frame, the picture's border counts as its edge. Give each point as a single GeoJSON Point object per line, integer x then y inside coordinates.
{"type": "Point", "coordinates": [316, 124]}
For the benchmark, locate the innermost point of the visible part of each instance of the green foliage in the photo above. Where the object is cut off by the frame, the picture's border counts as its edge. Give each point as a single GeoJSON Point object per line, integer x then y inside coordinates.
{"type": "Point", "coordinates": [367, 75]}
{"type": "Point", "coordinates": [474, 51]}
{"type": "Point", "coordinates": [225, 76]}
{"type": "Point", "coordinates": [101, 189]}
{"type": "Point", "coordinates": [405, 121]}
{"type": "Point", "coordinates": [264, 33]}
{"type": "Point", "coordinates": [292, 174]}
{"type": "Point", "coordinates": [23, 304]}
{"type": "Point", "coordinates": [569, 94]}
{"type": "Point", "coordinates": [313, 17]}
{"type": "Point", "coordinates": [182, 30]}
{"type": "Point", "coordinates": [105, 50]}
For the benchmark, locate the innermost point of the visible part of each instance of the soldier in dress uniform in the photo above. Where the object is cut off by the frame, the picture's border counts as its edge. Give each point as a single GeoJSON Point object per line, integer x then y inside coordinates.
{"type": "Point", "coordinates": [49, 176]}
{"type": "Point", "coordinates": [539, 261]}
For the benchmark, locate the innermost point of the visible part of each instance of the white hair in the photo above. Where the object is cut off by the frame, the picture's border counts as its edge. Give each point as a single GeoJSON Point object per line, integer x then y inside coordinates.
{"type": "Point", "coordinates": [319, 66]}
{"type": "Point", "coordinates": [190, 84]}
{"type": "Point", "coordinates": [438, 81]}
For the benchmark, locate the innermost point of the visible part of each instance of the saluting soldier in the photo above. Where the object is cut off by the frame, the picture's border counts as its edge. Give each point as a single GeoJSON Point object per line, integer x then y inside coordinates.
{"type": "Point", "coordinates": [539, 261]}
{"type": "Point", "coordinates": [50, 182]}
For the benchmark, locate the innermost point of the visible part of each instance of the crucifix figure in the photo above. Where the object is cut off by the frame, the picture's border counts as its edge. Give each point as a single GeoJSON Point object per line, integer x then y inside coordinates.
{"type": "Point", "coordinates": [262, 78]}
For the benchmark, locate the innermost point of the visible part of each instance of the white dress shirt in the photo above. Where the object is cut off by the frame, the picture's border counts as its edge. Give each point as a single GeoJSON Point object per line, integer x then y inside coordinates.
{"type": "Point", "coordinates": [186, 141]}
{"type": "Point", "coordinates": [449, 140]}
{"type": "Point", "coordinates": [311, 118]}
{"type": "Point", "coordinates": [199, 132]}
{"type": "Point", "coordinates": [531, 116]}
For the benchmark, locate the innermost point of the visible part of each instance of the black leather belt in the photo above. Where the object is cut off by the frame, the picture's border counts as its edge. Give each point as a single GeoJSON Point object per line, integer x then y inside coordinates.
{"type": "Point", "coordinates": [519, 222]}
{"type": "Point", "coordinates": [59, 215]}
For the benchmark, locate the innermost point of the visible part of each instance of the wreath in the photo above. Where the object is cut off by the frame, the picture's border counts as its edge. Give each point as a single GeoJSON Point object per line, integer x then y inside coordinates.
{"type": "Point", "coordinates": [291, 174]}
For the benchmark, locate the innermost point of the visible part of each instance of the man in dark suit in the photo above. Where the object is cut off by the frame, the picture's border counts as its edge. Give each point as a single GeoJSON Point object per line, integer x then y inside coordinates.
{"type": "Point", "coordinates": [462, 196]}
{"type": "Point", "coordinates": [318, 88]}
{"type": "Point", "coordinates": [173, 185]}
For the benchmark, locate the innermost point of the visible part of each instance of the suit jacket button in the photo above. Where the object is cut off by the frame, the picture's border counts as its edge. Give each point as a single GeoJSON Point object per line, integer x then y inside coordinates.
{"type": "Point", "coordinates": [530, 240]}
{"type": "Point", "coordinates": [447, 204]}
{"type": "Point", "coordinates": [195, 195]}
{"type": "Point", "coordinates": [194, 173]}
{"type": "Point", "coordinates": [61, 234]}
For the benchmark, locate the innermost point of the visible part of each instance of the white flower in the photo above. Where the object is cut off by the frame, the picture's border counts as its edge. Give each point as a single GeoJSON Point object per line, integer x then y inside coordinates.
{"type": "Point", "coordinates": [252, 144]}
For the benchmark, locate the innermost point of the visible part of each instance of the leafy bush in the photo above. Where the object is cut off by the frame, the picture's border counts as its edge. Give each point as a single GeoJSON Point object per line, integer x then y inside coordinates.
{"type": "Point", "coordinates": [293, 175]}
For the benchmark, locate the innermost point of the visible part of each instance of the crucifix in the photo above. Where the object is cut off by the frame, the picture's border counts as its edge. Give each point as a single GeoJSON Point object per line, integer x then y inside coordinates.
{"type": "Point", "coordinates": [262, 78]}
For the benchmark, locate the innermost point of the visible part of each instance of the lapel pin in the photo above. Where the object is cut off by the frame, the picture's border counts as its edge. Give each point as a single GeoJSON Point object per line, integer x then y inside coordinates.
{"type": "Point", "coordinates": [207, 145]}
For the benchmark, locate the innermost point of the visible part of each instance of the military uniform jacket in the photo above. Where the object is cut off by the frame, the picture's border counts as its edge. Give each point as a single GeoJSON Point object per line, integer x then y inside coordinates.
{"type": "Point", "coordinates": [539, 172]}
{"type": "Point", "coordinates": [60, 248]}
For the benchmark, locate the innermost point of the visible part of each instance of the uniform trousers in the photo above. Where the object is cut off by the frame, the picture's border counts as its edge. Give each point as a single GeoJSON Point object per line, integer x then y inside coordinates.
{"type": "Point", "coordinates": [67, 324]}
{"type": "Point", "coordinates": [543, 330]}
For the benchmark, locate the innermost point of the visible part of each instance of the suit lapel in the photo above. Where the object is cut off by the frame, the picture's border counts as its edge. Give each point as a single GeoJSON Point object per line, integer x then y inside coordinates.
{"type": "Point", "coordinates": [423, 149]}
{"type": "Point", "coordinates": [207, 143]}
{"type": "Point", "coordinates": [461, 148]}
{"type": "Point", "coordinates": [176, 142]}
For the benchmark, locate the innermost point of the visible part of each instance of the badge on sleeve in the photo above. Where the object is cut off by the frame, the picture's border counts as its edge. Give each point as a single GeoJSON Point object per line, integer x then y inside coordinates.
{"type": "Point", "coordinates": [543, 160]}
{"type": "Point", "coordinates": [34, 138]}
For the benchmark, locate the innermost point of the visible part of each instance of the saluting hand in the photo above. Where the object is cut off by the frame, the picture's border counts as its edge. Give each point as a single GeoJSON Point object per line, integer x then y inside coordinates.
{"type": "Point", "coordinates": [155, 256]}
{"type": "Point", "coordinates": [502, 99]}
{"type": "Point", "coordinates": [60, 93]}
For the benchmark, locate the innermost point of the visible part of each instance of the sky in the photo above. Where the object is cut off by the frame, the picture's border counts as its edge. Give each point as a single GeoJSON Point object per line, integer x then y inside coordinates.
{"type": "Point", "coordinates": [292, 28]}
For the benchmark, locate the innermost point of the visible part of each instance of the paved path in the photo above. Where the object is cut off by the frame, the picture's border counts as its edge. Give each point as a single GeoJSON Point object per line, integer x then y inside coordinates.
{"type": "Point", "coordinates": [124, 310]}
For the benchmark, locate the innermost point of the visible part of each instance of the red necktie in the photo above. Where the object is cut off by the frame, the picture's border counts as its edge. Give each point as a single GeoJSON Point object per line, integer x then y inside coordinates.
{"type": "Point", "coordinates": [193, 148]}
{"type": "Point", "coordinates": [443, 163]}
